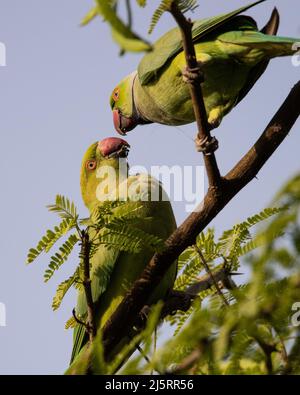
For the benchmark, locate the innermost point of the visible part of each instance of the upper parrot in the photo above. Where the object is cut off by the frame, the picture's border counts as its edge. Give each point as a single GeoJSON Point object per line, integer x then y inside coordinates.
{"type": "Point", "coordinates": [104, 173]}
{"type": "Point", "coordinates": [233, 55]}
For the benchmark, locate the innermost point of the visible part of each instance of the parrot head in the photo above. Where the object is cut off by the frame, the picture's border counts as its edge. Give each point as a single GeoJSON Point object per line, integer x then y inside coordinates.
{"type": "Point", "coordinates": [125, 113]}
{"type": "Point", "coordinates": [106, 152]}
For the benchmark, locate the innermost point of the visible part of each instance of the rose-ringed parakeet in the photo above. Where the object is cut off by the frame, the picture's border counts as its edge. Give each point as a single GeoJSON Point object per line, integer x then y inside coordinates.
{"type": "Point", "coordinates": [104, 171]}
{"type": "Point", "coordinates": [233, 55]}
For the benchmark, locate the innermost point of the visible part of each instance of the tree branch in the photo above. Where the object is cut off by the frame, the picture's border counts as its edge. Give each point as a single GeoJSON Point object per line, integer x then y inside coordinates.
{"type": "Point", "coordinates": [207, 281]}
{"type": "Point", "coordinates": [182, 300]}
{"type": "Point", "coordinates": [185, 26]}
{"type": "Point", "coordinates": [237, 178]}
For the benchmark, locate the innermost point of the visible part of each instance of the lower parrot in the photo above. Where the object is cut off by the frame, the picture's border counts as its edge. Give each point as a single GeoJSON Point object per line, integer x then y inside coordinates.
{"type": "Point", "coordinates": [232, 54]}
{"type": "Point", "coordinates": [113, 272]}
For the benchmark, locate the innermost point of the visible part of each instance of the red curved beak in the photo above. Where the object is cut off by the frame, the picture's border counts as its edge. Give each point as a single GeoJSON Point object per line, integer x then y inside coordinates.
{"type": "Point", "coordinates": [113, 146]}
{"type": "Point", "coordinates": [123, 124]}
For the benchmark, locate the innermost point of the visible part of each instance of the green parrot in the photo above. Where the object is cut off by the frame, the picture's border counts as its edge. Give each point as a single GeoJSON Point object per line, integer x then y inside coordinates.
{"type": "Point", "coordinates": [233, 55]}
{"type": "Point", "coordinates": [113, 272]}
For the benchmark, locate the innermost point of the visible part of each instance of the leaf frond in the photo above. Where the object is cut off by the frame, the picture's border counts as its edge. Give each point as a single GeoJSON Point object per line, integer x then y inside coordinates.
{"type": "Point", "coordinates": [50, 238]}
{"type": "Point", "coordinates": [63, 288]}
{"type": "Point", "coordinates": [61, 257]}
{"type": "Point", "coordinates": [165, 5]}
{"type": "Point", "coordinates": [121, 33]}
{"type": "Point", "coordinates": [64, 208]}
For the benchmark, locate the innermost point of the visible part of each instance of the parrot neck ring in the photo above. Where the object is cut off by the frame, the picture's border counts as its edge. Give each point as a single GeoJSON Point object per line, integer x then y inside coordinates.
{"type": "Point", "coordinates": [124, 124]}
{"type": "Point", "coordinates": [137, 115]}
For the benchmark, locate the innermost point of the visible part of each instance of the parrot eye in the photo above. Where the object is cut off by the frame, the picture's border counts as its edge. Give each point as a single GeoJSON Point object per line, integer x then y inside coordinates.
{"type": "Point", "coordinates": [116, 94]}
{"type": "Point", "coordinates": [91, 164]}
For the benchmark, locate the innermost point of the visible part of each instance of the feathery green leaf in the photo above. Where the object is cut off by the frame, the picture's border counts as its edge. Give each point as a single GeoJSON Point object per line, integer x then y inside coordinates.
{"type": "Point", "coordinates": [90, 16]}
{"type": "Point", "coordinates": [141, 3]}
{"type": "Point", "coordinates": [64, 208]}
{"type": "Point", "coordinates": [63, 288]}
{"type": "Point", "coordinates": [61, 257]}
{"type": "Point", "coordinates": [122, 34]}
{"type": "Point", "coordinates": [50, 238]}
{"type": "Point", "coordinates": [165, 5]}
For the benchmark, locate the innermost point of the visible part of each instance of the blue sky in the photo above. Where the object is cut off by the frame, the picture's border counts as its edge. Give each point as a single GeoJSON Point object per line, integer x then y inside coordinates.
{"type": "Point", "coordinates": [53, 104]}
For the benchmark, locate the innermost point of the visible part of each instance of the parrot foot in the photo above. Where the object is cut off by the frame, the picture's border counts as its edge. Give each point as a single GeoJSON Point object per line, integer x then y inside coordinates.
{"type": "Point", "coordinates": [192, 75]}
{"type": "Point", "coordinates": [206, 145]}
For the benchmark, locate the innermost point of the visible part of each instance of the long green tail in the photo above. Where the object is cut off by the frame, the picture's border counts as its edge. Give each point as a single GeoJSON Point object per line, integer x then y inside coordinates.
{"type": "Point", "coordinates": [272, 46]}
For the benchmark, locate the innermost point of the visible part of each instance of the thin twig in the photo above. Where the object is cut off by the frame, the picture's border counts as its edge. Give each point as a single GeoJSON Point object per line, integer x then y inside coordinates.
{"type": "Point", "coordinates": [129, 13]}
{"type": "Point", "coordinates": [267, 349]}
{"type": "Point", "coordinates": [191, 360]}
{"type": "Point", "coordinates": [187, 363]}
{"type": "Point", "coordinates": [85, 253]}
{"type": "Point", "coordinates": [209, 272]}
{"type": "Point", "coordinates": [182, 300]}
{"type": "Point", "coordinates": [185, 26]}
{"type": "Point", "coordinates": [204, 282]}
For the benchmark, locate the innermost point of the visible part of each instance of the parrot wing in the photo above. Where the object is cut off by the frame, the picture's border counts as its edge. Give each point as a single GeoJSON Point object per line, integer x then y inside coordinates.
{"type": "Point", "coordinates": [170, 44]}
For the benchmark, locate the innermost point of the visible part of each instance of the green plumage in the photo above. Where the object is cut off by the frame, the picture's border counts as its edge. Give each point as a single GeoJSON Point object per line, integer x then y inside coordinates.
{"type": "Point", "coordinates": [233, 53]}
{"type": "Point", "coordinates": [113, 272]}
{"type": "Point", "coordinates": [170, 44]}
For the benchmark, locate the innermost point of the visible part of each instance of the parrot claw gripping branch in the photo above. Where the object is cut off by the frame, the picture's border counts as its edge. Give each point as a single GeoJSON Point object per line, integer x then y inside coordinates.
{"type": "Point", "coordinates": [220, 192]}
{"type": "Point", "coordinates": [193, 75]}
